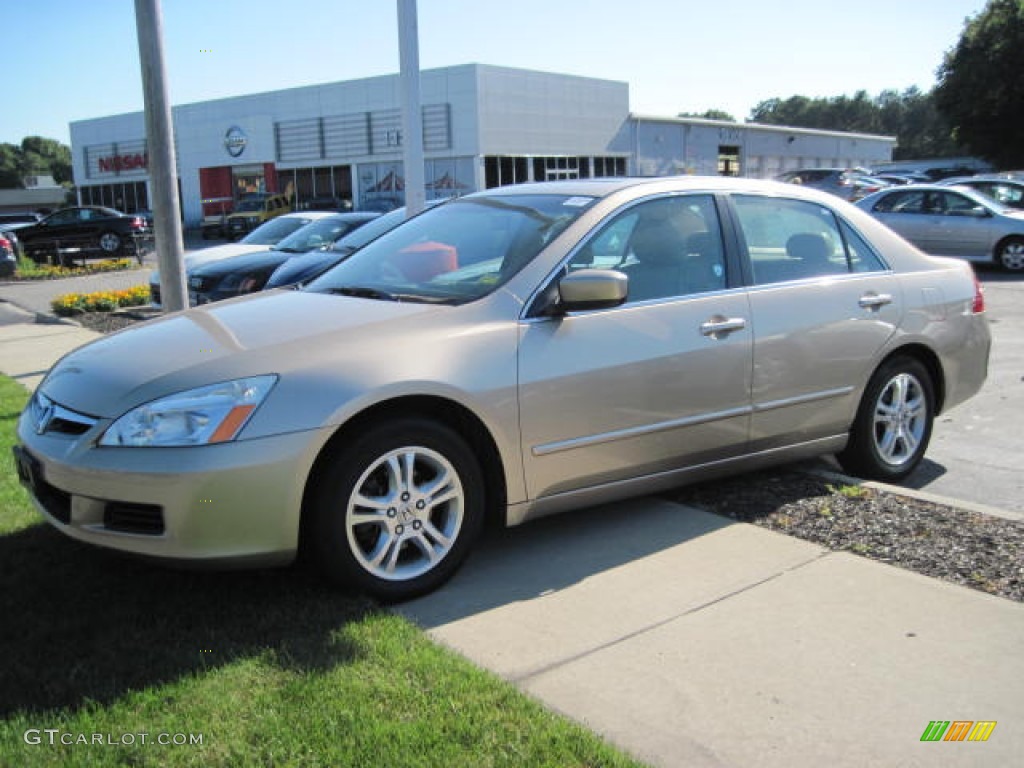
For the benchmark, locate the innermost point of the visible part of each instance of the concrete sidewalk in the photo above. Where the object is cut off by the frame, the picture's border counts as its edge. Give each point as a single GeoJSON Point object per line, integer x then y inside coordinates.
{"type": "Point", "coordinates": [690, 640]}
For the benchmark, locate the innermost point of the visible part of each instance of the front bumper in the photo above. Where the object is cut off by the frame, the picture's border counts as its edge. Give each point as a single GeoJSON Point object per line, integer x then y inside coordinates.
{"type": "Point", "coordinates": [215, 504]}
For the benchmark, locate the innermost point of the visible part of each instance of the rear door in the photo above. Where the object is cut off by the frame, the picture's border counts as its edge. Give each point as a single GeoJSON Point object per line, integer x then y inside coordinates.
{"type": "Point", "coordinates": [966, 228]}
{"type": "Point", "coordinates": [913, 214]}
{"type": "Point", "coordinates": [823, 304]}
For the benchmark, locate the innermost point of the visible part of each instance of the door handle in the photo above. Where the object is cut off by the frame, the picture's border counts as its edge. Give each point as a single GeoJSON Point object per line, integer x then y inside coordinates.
{"type": "Point", "coordinates": [721, 326]}
{"type": "Point", "coordinates": [874, 300]}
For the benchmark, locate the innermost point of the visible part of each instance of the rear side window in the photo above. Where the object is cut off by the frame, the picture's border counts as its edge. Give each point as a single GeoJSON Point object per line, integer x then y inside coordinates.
{"type": "Point", "coordinates": [798, 240]}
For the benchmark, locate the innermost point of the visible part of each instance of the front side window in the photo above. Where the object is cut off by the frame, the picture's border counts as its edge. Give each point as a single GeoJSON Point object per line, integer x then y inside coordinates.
{"type": "Point", "coordinates": [798, 240]}
{"type": "Point", "coordinates": [667, 247]}
{"type": "Point", "coordinates": [456, 252]}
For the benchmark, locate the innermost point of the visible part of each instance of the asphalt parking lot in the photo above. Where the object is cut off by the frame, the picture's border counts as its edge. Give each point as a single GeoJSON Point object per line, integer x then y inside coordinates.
{"type": "Point", "coordinates": [976, 447]}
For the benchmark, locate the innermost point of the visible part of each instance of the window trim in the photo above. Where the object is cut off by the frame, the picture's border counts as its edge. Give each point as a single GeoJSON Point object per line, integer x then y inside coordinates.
{"type": "Point", "coordinates": [743, 250]}
{"type": "Point", "coordinates": [537, 301]}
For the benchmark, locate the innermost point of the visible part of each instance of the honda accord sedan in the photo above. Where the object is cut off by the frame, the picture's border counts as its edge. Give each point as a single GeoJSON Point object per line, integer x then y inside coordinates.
{"type": "Point", "coordinates": [510, 354]}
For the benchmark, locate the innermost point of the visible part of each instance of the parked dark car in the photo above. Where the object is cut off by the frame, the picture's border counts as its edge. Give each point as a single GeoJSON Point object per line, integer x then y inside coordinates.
{"type": "Point", "coordinates": [248, 272]}
{"type": "Point", "coordinates": [19, 217]}
{"type": "Point", "coordinates": [300, 269]}
{"type": "Point", "coordinates": [83, 232]}
{"type": "Point", "coordinates": [848, 183]}
{"type": "Point", "coordinates": [8, 255]}
{"type": "Point", "coordinates": [326, 203]}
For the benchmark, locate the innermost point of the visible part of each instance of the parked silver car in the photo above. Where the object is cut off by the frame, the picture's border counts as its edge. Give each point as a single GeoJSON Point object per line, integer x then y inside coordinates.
{"type": "Point", "coordinates": [952, 221]}
{"type": "Point", "coordinates": [1007, 192]}
{"type": "Point", "coordinates": [512, 353]}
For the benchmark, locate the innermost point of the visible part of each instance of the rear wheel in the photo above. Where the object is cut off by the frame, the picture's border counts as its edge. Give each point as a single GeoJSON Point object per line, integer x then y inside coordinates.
{"type": "Point", "coordinates": [1010, 254]}
{"type": "Point", "coordinates": [397, 509]}
{"type": "Point", "coordinates": [894, 422]}
{"type": "Point", "coordinates": [110, 243]}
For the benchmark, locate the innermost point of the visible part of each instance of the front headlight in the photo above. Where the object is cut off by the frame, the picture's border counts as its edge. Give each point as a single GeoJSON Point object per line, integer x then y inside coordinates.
{"type": "Point", "coordinates": [213, 414]}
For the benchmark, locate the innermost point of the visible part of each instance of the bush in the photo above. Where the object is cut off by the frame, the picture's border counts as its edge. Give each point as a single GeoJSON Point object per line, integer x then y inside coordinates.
{"type": "Point", "coordinates": [29, 270]}
{"type": "Point", "coordinates": [69, 304]}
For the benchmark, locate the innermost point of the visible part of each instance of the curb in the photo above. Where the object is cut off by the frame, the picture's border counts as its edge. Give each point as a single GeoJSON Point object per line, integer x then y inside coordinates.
{"type": "Point", "coordinates": [913, 493]}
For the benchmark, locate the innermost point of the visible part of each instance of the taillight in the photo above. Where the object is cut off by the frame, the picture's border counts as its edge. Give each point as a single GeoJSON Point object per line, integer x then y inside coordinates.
{"type": "Point", "coordinates": [978, 306]}
{"type": "Point", "coordinates": [138, 223]}
{"type": "Point", "coordinates": [5, 243]}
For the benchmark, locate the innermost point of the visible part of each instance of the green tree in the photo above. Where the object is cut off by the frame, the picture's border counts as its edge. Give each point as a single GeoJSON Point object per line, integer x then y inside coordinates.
{"type": "Point", "coordinates": [910, 116]}
{"type": "Point", "coordinates": [10, 166]}
{"type": "Point", "coordinates": [34, 156]}
{"type": "Point", "coordinates": [710, 114]}
{"type": "Point", "coordinates": [981, 83]}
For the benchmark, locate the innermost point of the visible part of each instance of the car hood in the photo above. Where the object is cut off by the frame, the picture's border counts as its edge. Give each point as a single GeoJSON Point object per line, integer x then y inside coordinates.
{"type": "Point", "coordinates": [218, 252]}
{"type": "Point", "coordinates": [282, 332]}
{"type": "Point", "coordinates": [246, 262]}
{"type": "Point", "coordinates": [304, 265]}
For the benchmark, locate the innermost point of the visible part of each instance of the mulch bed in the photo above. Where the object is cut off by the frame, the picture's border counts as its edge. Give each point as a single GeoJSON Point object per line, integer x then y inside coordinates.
{"type": "Point", "coordinates": [975, 550]}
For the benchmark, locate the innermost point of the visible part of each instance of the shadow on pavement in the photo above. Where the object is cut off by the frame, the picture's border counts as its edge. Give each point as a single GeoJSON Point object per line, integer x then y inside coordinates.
{"type": "Point", "coordinates": [551, 554]}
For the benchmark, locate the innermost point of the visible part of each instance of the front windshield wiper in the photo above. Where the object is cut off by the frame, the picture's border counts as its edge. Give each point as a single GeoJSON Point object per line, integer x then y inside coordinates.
{"type": "Point", "coordinates": [287, 250]}
{"type": "Point", "coordinates": [363, 292]}
{"type": "Point", "coordinates": [366, 292]}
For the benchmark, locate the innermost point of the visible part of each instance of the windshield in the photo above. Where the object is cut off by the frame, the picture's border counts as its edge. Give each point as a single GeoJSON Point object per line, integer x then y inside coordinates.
{"type": "Point", "coordinates": [456, 252]}
{"type": "Point", "coordinates": [249, 204]}
{"type": "Point", "coordinates": [371, 231]}
{"type": "Point", "coordinates": [275, 230]}
{"type": "Point", "coordinates": [316, 234]}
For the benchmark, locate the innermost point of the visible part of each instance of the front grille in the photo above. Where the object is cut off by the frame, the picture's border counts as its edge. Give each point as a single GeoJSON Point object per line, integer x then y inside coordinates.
{"type": "Point", "coordinates": [123, 517]}
{"type": "Point", "coordinates": [47, 417]}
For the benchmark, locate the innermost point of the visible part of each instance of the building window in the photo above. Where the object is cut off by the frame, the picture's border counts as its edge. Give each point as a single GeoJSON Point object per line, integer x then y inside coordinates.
{"type": "Point", "coordinates": [728, 160]}
{"type": "Point", "coordinates": [502, 171]}
{"type": "Point", "coordinates": [609, 166]}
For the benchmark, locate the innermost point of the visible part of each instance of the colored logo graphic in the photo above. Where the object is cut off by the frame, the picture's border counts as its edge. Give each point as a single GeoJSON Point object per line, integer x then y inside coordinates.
{"type": "Point", "coordinates": [958, 730]}
{"type": "Point", "coordinates": [235, 141]}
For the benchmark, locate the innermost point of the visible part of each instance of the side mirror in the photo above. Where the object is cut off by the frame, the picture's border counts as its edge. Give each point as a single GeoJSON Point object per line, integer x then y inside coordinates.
{"type": "Point", "coordinates": [590, 289]}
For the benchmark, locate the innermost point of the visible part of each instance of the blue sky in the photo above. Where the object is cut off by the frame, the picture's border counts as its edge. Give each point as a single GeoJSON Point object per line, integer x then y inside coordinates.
{"type": "Point", "coordinates": [67, 60]}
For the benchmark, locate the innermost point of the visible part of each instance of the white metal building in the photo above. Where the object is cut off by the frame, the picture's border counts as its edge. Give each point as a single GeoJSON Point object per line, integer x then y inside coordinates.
{"type": "Point", "coordinates": [483, 126]}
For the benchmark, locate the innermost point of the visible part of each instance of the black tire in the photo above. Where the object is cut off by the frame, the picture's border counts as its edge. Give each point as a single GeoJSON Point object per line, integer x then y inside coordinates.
{"type": "Point", "coordinates": [380, 546]}
{"type": "Point", "coordinates": [890, 434]}
{"type": "Point", "coordinates": [1010, 254]}
{"type": "Point", "coordinates": [111, 244]}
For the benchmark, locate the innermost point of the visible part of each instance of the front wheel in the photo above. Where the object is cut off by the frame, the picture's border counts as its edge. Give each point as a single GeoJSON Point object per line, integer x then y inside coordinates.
{"type": "Point", "coordinates": [396, 510]}
{"type": "Point", "coordinates": [894, 422]}
{"type": "Point", "coordinates": [1010, 254]}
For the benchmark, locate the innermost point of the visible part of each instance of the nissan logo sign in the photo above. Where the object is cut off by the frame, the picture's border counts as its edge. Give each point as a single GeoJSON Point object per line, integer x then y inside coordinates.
{"type": "Point", "coordinates": [235, 141]}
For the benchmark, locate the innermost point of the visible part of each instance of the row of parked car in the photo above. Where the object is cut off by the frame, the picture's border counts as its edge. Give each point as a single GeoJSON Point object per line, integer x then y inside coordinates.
{"type": "Point", "coordinates": [979, 218]}
{"type": "Point", "coordinates": [289, 250]}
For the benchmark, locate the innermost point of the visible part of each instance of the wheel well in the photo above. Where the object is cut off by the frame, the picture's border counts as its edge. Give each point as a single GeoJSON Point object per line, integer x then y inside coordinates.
{"type": "Point", "coordinates": [1001, 243]}
{"type": "Point", "coordinates": [447, 412]}
{"type": "Point", "coordinates": [929, 360]}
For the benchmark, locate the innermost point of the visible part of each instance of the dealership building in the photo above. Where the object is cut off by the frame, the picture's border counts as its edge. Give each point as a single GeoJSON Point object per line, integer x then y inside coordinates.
{"type": "Point", "coordinates": [483, 126]}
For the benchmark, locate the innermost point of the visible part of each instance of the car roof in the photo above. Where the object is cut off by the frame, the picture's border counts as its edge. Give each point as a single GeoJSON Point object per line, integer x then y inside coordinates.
{"type": "Point", "coordinates": [307, 215]}
{"type": "Point", "coordinates": [606, 187]}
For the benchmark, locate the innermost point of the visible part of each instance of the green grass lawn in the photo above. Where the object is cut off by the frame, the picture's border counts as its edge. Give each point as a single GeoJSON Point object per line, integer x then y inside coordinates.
{"type": "Point", "coordinates": [265, 668]}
